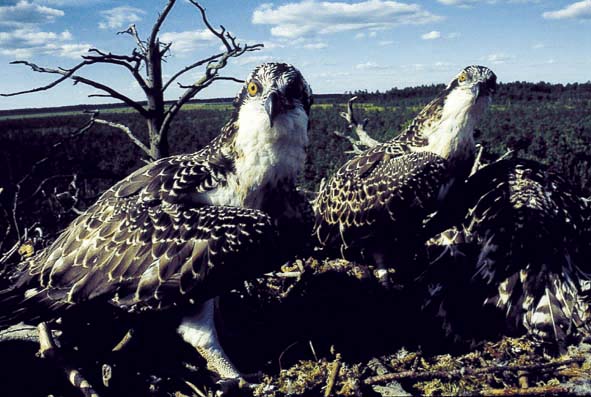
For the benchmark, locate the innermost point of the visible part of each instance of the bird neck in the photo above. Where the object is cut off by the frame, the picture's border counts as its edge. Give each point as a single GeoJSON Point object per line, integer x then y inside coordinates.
{"type": "Point", "coordinates": [450, 132]}
{"type": "Point", "coordinates": [265, 155]}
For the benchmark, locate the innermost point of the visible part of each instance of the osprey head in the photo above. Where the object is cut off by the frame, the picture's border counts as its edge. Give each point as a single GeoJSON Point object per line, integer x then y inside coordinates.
{"type": "Point", "coordinates": [479, 80]}
{"type": "Point", "coordinates": [276, 89]}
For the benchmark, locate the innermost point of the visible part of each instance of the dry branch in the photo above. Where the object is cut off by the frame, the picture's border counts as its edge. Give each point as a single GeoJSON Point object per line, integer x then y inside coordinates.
{"type": "Point", "coordinates": [427, 375]}
{"type": "Point", "coordinates": [362, 141]}
{"type": "Point", "coordinates": [127, 132]}
{"type": "Point", "coordinates": [148, 56]}
{"type": "Point", "coordinates": [48, 349]}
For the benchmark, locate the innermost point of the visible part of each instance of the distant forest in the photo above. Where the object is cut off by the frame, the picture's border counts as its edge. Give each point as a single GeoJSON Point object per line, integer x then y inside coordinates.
{"type": "Point", "coordinates": [547, 122]}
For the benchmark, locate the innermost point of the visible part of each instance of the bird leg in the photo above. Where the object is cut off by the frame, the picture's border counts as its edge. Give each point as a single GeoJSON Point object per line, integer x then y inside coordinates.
{"type": "Point", "coordinates": [198, 329]}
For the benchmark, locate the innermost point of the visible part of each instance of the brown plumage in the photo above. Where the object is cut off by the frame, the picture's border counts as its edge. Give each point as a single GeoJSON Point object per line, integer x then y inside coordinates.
{"type": "Point", "coordinates": [183, 229]}
{"type": "Point", "coordinates": [522, 243]}
{"type": "Point", "coordinates": [373, 207]}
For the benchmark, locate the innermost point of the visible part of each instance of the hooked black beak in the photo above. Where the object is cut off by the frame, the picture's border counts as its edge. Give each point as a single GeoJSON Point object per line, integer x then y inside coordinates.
{"type": "Point", "coordinates": [273, 105]}
{"type": "Point", "coordinates": [488, 86]}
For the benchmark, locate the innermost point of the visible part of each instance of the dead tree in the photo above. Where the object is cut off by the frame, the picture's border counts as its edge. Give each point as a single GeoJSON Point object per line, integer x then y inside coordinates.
{"type": "Point", "coordinates": [145, 66]}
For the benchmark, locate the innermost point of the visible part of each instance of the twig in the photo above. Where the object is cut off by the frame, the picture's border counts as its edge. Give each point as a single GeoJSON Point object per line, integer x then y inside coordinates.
{"type": "Point", "coordinates": [70, 74]}
{"type": "Point", "coordinates": [195, 389]}
{"type": "Point", "coordinates": [530, 391]}
{"type": "Point", "coordinates": [52, 151]}
{"type": "Point", "coordinates": [332, 376]}
{"type": "Point", "coordinates": [127, 132]}
{"type": "Point", "coordinates": [285, 351]}
{"type": "Point", "coordinates": [284, 274]}
{"type": "Point", "coordinates": [20, 333]}
{"type": "Point", "coordinates": [426, 375]}
{"type": "Point", "coordinates": [132, 31]}
{"type": "Point", "coordinates": [313, 350]}
{"type": "Point", "coordinates": [477, 161]}
{"type": "Point", "coordinates": [124, 341]}
{"type": "Point", "coordinates": [363, 141]}
{"type": "Point", "coordinates": [214, 65]}
{"type": "Point", "coordinates": [48, 349]}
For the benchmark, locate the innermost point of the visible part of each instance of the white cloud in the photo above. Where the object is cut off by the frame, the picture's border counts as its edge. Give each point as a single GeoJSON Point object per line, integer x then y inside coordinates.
{"type": "Point", "coordinates": [315, 46]}
{"type": "Point", "coordinates": [538, 46]}
{"type": "Point", "coordinates": [498, 58]}
{"type": "Point", "coordinates": [76, 3]}
{"type": "Point", "coordinates": [469, 3]}
{"type": "Point", "coordinates": [28, 42]}
{"type": "Point", "coordinates": [385, 42]}
{"type": "Point", "coordinates": [309, 17]}
{"type": "Point", "coordinates": [188, 41]}
{"type": "Point", "coordinates": [27, 13]}
{"type": "Point", "coordinates": [120, 17]}
{"type": "Point", "coordinates": [578, 10]}
{"type": "Point", "coordinates": [432, 35]}
{"type": "Point", "coordinates": [270, 45]}
{"type": "Point", "coordinates": [250, 59]}
{"type": "Point", "coordinates": [461, 3]}
{"type": "Point", "coordinates": [453, 35]}
{"type": "Point", "coordinates": [369, 66]}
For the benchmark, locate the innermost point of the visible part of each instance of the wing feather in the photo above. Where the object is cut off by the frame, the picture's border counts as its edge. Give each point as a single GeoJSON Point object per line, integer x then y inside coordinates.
{"type": "Point", "coordinates": [150, 242]}
{"type": "Point", "coordinates": [378, 187]}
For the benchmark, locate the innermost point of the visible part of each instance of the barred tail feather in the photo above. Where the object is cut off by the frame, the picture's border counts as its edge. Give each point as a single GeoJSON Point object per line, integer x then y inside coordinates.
{"type": "Point", "coordinates": [559, 314]}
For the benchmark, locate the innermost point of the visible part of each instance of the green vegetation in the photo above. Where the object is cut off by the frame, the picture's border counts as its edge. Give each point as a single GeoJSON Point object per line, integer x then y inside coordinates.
{"type": "Point", "coordinates": [549, 123]}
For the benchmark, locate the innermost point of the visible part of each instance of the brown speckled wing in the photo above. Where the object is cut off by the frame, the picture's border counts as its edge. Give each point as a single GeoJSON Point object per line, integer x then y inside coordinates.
{"type": "Point", "coordinates": [524, 252]}
{"type": "Point", "coordinates": [144, 256]}
{"type": "Point", "coordinates": [174, 179]}
{"type": "Point", "coordinates": [149, 243]}
{"type": "Point", "coordinates": [378, 186]}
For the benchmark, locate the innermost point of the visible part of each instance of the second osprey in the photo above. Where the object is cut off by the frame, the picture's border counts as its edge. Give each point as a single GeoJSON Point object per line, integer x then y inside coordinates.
{"type": "Point", "coordinates": [373, 208]}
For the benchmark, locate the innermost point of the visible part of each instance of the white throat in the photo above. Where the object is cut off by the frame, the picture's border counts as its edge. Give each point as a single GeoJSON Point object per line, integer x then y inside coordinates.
{"type": "Point", "coordinates": [265, 155]}
{"type": "Point", "coordinates": [453, 136]}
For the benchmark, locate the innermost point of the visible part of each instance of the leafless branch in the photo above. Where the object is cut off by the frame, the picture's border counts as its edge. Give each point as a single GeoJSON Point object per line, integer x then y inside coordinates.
{"type": "Point", "coordinates": [127, 132]}
{"type": "Point", "coordinates": [69, 74]}
{"type": "Point", "coordinates": [156, 28]}
{"type": "Point", "coordinates": [233, 49]}
{"type": "Point", "coordinates": [18, 187]}
{"type": "Point", "coordinates": [363, 140]}
{"type": "Point", "coordinates": [221, 34]}
{"type": "Point", "coordinates": [132, 30]}
{"type": "Point", "coordinates": [212, 80]}
{"type": "Point", "coordinates": [191, 67]}
{"type": "Point", "coordinates": [66, 74]}
{"type": "Point", "coordinates": [477, 161]}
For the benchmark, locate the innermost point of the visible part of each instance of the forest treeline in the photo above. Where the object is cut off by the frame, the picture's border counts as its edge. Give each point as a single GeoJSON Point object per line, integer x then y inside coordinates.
{"type": "Point", "coordinates": [547, 122]}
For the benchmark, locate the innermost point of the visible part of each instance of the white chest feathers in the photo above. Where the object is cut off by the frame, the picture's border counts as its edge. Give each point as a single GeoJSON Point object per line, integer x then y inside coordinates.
{"type": "Point", "coordinates": [453, 136]}
{"type": "Point", "coordinates": [265, 155]}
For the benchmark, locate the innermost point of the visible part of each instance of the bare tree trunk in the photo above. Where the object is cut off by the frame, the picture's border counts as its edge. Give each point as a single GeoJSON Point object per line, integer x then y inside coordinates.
{"type": "Point", "coordinates": [157, 138]}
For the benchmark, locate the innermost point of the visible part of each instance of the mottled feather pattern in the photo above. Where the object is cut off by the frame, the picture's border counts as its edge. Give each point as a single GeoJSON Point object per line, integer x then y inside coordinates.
{"type": "Point", "coordinates": [383, 185]}
{"type": "Point", "coordinates": [524, 236]}
{"type": "Point", "coordinates": [380, 198]}
{"type": "Point", "coordinates": [146, 256]}
{"type": "Point", "coordinates": [178, 231]}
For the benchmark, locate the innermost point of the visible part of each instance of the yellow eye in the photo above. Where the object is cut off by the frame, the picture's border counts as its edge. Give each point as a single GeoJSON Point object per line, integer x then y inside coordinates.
{"type": "Point", "coordinates": [252, 88]}
{"type": "Point", "coordinates": [462, 77]}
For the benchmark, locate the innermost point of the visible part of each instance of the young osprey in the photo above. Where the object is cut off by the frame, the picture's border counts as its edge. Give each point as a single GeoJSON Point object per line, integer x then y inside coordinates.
{"type": "Point", "coordinates": [523, 261]}
{"type": "Point", "coordinates": [183, 229]}
{"type": "Point", "coordinates": [374, 206]}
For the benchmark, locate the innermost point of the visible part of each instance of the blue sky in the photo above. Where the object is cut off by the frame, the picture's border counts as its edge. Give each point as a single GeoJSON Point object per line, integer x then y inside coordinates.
{"type": "Point", "coordinates": [339, 45]}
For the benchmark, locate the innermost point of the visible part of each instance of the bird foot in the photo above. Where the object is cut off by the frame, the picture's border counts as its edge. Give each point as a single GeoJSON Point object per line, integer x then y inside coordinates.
{"type": "Point", "coordinates": [230, 386]}
{"type": "Point", "coordinates": [242, 386]}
